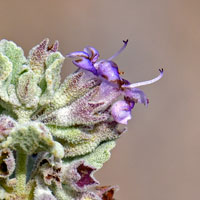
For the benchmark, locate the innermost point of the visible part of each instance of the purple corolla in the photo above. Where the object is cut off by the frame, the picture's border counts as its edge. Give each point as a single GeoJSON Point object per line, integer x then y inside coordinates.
{"type": "Point", "coordinates": [108, 72]}
{"type": "Point", "coordinates": [85, 59]}
{"type": "Point", "coordinates": [121, 111]}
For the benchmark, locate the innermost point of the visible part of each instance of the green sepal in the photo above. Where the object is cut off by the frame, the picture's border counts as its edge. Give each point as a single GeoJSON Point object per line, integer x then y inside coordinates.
{"type": "Point", "coordinates": [37, 57]}
{"type": "Point", "coordinates": [15, 55]}
{"type": "Point", "coordinates": [28, 91]}
{"type": "Point", "coordinates": [72, 135]}
{"type": "Point", "coordinates": [5, 77]}
{"type": "Point", "coordinates": [5, 67]}
{"type": "Point", "coordinates": [52, 76]}
{"type": "Point", "coordinates": [97, 157]}
{"type": "Point", "coordinates": [83, 111]}
{"type": "Point", "coordinates": [13, 99]}
{"type": "Point", "coordinates": [102, 132]}
{"type": "Point", "coordinates": [30, 137]}
{"type": "Point", "coordinates": [100, 155]}
{"type": "Point", "coordinates": [73, 87]}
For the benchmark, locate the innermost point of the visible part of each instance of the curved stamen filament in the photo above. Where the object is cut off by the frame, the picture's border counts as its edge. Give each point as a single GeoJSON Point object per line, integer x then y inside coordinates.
{"type": "Point", "coordinates": [118, 52]}
{"type": "Point", "coordinates": [134, 85]}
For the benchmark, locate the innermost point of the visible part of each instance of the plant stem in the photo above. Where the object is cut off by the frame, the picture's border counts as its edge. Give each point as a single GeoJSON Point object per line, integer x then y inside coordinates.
{"type": "Point", "coordinates": [21, 172]}
{"type": "Point", "coordinates": [61, 194]}
{"type": "Point", "coordinates": [30, 187]}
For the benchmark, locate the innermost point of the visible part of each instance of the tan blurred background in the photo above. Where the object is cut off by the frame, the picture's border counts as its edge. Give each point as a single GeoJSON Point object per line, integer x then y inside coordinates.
{"type": "Point", "coordinates": [159, 157]}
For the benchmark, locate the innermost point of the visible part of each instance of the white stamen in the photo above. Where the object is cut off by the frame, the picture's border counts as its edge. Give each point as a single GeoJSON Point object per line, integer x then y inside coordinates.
{"type": "Point", "coordinates": [134, 85]}
{"type": "Point", "coordinates": [118, 52]}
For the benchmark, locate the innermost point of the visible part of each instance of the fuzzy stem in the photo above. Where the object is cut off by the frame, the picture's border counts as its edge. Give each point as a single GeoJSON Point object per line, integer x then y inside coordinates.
{"type": "Point", "coordinates": [21, 172]}
{"type": "Point", "coordinates": [61, 194]}
{"type": "Point", "coordinates": [30, 187]}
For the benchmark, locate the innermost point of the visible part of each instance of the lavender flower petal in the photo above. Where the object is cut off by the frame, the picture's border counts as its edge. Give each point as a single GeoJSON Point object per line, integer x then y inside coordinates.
{"type": "Point", "coordinates": [86, 64]}
{"type": "Point", "coordinates": [109, 71]}
{"type": "Point", "coordinates": [136, 95]}
{"type": "Point", "coordinates": [121, 111]}
{"type": "Point", "coordinates": [78, 54]}
{"type": "Point", "coordinates": [93, 53]}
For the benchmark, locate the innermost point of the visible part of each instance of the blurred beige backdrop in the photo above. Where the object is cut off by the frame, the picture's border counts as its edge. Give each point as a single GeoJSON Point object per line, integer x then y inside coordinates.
{"type": "Point", "coordinates": [159, 157]}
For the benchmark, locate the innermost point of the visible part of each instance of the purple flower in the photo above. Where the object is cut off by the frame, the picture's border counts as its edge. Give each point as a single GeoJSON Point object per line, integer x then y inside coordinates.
{"type": "Point", "coordinates": [108, 72]}
{"type": "Point", "coordinates": [85, 59]}
{"type": "Point", "coordinates": [136, 95]}
{"type": "Point", "coordinates": [121, 111]}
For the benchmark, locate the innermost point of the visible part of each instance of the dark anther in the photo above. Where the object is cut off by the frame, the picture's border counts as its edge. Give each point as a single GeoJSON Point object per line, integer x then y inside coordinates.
{"type": "Point", "coordinates": [125, 41]}
{"type": "Point", "coordinates": [161, 70]}
{"type": "Point", "coordinates": [50, 47]}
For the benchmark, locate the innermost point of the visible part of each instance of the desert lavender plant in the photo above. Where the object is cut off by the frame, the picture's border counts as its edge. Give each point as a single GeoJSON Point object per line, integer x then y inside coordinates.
{"type": "Point", "coordinates": [53, 135]}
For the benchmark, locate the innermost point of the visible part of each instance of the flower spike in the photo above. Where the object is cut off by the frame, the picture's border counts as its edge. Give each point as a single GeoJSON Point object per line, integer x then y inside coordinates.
{"type": "Point", "coordinates": [60, 133]}
{"type": "Point", "coordinates": [134, 85]}
{"type": "Point", "coordinates": [118, 52]}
